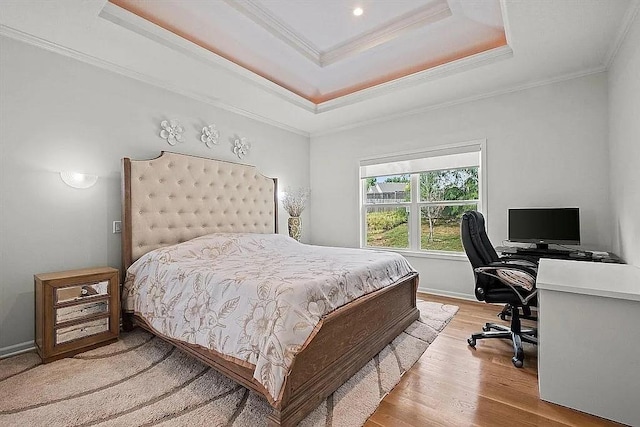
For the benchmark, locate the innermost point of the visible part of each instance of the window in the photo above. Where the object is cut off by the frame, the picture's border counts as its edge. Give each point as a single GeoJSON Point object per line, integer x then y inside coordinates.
{"type": "Point", "coordinates": [415, 201]}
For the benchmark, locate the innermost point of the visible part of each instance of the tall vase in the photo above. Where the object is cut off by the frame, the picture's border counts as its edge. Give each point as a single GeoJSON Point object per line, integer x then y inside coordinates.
{"type": "Point", "coordinates": [295, 227]}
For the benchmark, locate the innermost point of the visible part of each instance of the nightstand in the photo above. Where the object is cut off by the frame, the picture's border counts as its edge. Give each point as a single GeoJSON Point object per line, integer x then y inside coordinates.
{"type": "Point", "coordinates": [76, 311]}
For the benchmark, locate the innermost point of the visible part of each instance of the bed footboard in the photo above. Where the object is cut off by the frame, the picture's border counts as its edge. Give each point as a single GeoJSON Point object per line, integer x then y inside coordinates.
{"type": "Point", "coordinates": [347, 340]}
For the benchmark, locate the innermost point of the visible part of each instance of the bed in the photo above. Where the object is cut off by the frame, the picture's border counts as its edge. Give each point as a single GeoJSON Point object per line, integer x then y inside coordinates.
{"type": "Point", "coordinates": [175, 205]}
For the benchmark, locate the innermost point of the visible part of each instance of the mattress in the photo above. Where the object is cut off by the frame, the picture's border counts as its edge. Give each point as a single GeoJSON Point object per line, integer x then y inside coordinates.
{"type": "Point", "coordinates": [256, 299]}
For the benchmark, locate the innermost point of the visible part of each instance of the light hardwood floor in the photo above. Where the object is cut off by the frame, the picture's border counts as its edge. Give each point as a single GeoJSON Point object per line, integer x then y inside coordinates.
{"type": "Point", "coordinates": [455, 385]}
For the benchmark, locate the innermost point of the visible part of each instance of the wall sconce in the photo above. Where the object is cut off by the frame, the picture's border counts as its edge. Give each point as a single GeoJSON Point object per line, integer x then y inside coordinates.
{"type": "Point", "coordinates": [78, 180]}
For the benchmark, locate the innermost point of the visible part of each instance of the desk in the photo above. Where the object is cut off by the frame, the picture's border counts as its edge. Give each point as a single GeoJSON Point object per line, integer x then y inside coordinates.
{"type": "Point", "coordinates": [511, 251]}
{"type": "Point", "coordinates": [589, 337]}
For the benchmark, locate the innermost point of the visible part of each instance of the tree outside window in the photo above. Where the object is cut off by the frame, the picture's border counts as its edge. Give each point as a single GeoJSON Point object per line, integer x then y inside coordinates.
{"type": "Point", "coordinates": [444, 196]}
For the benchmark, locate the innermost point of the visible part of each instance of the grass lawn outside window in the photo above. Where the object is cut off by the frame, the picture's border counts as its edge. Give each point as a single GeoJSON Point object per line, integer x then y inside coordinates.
{"type": "Point", "coordinates": [446, 234]}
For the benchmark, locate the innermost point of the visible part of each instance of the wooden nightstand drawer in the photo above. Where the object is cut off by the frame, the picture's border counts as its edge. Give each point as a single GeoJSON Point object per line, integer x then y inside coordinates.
{"type": "Point", "coordinates": [76, 311]}
{"type": "Point", "coordinates": [81, 330]}
{"type": "Point", "coordinates": [79, 311]}
{"type": "Point", "coordinates": [83, 291]}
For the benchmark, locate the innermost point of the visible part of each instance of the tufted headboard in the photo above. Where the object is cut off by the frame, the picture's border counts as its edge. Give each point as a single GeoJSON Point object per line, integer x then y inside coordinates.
{"type": "Point", "coordinates": [177, 197]}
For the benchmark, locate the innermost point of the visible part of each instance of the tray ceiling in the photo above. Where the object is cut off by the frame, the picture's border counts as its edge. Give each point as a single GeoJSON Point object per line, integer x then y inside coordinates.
{"type": "Point", "coordinates": [319, 50]}
{"type": "Point", "coordinates": [548, 41]}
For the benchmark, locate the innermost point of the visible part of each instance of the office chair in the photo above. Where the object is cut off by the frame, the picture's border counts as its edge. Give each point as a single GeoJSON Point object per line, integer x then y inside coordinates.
{"type": "Point", "coordinates": [500, 280]}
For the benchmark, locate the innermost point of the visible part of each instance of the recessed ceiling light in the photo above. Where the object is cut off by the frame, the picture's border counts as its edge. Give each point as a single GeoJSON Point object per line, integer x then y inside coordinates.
{"type": "Point", "coordinates": [358, 11]}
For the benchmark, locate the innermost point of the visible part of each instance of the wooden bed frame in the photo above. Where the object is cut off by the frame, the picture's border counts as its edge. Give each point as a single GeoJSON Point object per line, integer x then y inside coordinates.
{"type": "Point", "coordinates": [348, 338]}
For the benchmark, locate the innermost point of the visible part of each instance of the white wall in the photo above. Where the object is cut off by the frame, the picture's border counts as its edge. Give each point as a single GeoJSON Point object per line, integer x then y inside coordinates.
{"type": "Point", "coordinates": [60, 114]}
{"type": "Point", "coordinates": [546, 146]}
{"type": "Point", "coordinates": [624, 140]}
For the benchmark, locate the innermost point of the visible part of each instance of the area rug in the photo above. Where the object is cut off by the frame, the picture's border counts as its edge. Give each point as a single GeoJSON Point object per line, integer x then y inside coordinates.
{"type": "Point", "coordinates": [141, 380]}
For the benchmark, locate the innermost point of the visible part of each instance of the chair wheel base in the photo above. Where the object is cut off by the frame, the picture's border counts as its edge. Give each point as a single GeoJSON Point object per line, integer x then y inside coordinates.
{"type": "Point", "coordinates": [518, 359]}
{"type": "Point", "coordinates": [471, 342]}
{"type": "Point", "coordinates": [517, 362]}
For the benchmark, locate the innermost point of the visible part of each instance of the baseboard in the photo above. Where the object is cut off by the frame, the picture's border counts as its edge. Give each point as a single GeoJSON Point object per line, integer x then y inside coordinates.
{"type": "Point", "coordinates": [442, 293]}
{"type": "Point", "coordinates": [16, 349]}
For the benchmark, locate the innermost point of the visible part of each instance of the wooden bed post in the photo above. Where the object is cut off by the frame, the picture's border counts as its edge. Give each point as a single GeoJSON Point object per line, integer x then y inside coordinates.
{"type": "Point", "coordinates": [126, 238]}
{"type": "Point", "coordinates": [275, 203]}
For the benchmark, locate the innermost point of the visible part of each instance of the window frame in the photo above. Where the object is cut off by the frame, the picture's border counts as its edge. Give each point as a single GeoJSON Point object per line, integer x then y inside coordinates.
{"type": "Point", "coordinates": [415, 204]}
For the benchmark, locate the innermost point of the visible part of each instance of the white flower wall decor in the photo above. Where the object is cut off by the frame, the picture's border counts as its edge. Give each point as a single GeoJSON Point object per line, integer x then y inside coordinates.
{"type": "Point", "coordinates": [241, 147]}
{"type": "Point", "coordinates": [210, 135]}
{"type": "Point", "coordinates": [171, 131]}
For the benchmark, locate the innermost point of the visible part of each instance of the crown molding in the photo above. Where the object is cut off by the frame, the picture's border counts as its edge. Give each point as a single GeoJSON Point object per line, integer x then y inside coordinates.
{"type": "Point", "coordinates": [505, 21]}
{"type": "Point", "coordinates": [420, 110]}
{"type": "Point", "coordinates": [432, 12]}
{"type": "Point", "coordinates": [276, 27]}
{"type": "Point", "coordinates": [135, 23]}
{"type": "Point", "coordinates": [629, 17]}
{"type": "Point", "coordinates": [463, 64]}
{"type": "Point", "coordinates": [21, 36]}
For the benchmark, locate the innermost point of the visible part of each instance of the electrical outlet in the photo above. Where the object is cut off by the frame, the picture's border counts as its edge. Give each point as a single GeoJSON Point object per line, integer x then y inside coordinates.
{"type": "Point", "coordinates": [117, 227]}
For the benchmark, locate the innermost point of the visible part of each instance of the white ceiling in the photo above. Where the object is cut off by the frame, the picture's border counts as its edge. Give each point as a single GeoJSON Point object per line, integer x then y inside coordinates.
{"type": "Point", "coordinates": [331, 22]}
{"type": "Point", "coordinates": [319, 50]}
{"type": "Point", "coordinates": [548, 40]}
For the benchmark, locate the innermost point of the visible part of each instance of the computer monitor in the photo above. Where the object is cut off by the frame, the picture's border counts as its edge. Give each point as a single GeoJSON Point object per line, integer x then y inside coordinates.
{"type": "Point", "coordinates": [543, 226]}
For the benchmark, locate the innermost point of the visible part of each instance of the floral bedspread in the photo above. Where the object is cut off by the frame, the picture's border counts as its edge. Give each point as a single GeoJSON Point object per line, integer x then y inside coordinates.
{"type": "Point", "coordinates": [253, 297]}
